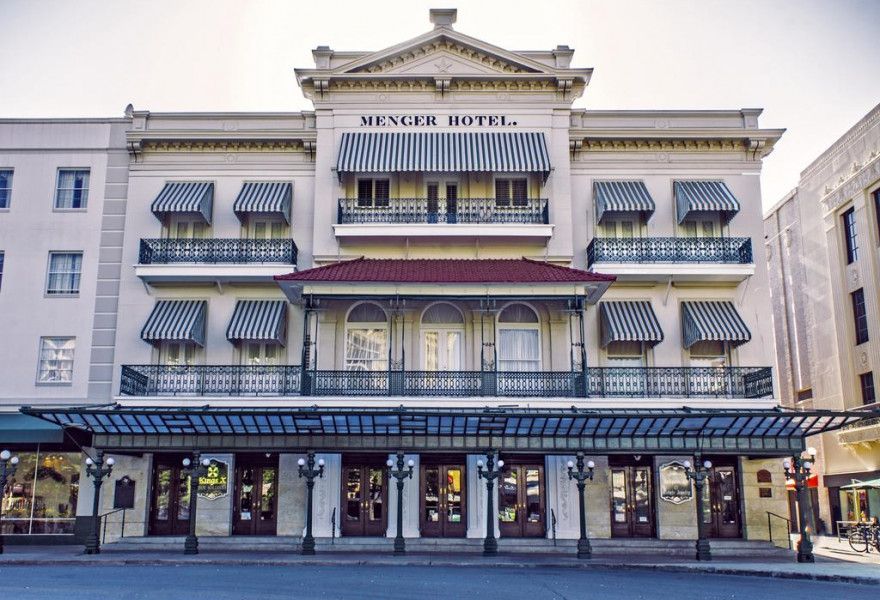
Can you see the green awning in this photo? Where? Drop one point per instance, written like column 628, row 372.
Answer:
column 16, row 428
column 861, row 485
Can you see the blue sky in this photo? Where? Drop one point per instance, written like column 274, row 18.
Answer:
column 812, row 65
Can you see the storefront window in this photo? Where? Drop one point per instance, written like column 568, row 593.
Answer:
column 41, row 497
column 860, row 505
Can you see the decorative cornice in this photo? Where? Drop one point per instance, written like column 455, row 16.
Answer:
column 472, row 55
column 665, row 145
column 219, row 146
column 848, row 186
column 444, row 84
column 844, row 142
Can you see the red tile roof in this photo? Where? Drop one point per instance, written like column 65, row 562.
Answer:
column 370, row 270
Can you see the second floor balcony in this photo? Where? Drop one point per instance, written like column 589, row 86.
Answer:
column 214, row 259
column 683, row 258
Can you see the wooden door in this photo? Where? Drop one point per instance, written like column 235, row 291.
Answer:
column 632, row 506
column 254, row 510
column 721, row 504
column 169, row 502
column 443, row 509
column 364, row 500
column 521, row 501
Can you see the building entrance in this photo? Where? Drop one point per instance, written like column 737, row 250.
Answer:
column 521, row 501
column 364, row 499
column 721, row 503
column 443, row 509
column 632, row 506
column 169, row 504
column 254, row 511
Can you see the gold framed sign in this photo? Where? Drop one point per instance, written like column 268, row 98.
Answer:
column 675, row 487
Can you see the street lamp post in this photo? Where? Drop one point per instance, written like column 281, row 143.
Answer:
column 581, row 476
column 195, row 468
column 7, row 469
column 400, row 475
column 97, row 471
column 490, row 545
column 699, row 474
column 307, row 469
column 798, row 469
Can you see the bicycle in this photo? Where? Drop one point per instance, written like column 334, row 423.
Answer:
column 863, row 536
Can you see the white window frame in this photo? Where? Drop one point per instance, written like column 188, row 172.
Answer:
column 59, row 189
column 441, row 328
column 7, row 189
column 499, row 327
column 348, row 363
column 49, row 274
column 43, row 363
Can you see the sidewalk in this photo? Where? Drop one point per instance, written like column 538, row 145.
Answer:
column 833, row 562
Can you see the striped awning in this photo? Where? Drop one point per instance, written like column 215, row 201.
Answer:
column 510, row 152
column 704, row 196
column 629, row 321
column 712, row 321
column 180, row 320
column 258, row 320
column 264, row 197
column 185, row 197
column 622, row 196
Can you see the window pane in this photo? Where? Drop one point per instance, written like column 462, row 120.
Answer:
column 518, row 350
column 72, row 190
column 64, row 273
column 850, row 235
column 366, row 350
column 2, row 256
column 5, row 187
column 56, row 360
column 41, row 497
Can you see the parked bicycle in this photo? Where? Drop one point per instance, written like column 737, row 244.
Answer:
column 864, row 536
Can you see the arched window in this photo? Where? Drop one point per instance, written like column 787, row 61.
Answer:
column 442, row 338
column 366, row 339
column 442, row 314
column 518, row 340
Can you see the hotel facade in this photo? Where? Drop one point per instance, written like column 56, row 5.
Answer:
column 445, row 258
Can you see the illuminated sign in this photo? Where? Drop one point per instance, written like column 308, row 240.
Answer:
column 215, row 482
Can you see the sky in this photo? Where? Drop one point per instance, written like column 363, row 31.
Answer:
column 812, row 65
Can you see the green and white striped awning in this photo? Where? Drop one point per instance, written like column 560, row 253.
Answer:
column 258, row 320
column 397, row 152
column 185, row 197
column 264, row 197
column 176, row 320
column 622, row 196
column 712, row 321
column 629, row 321
column 704, row 196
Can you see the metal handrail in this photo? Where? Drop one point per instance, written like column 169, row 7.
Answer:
column 530, row 211
column 787, row 527
column 217, row 251
column 104, row 523
column 725, row 250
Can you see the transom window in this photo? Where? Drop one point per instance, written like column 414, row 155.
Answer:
column 511, row 192
column 5, row 188
column 366, row 339
column 850, row 236
column 56, row 359
column 373, row 192
column 65, row 270
column 72, row 189
column 518, row 339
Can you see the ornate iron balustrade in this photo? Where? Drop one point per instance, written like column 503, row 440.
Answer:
column 217, row 250
column 670, row 250
column 623, row 382
column 532, row 211
column 219, row 380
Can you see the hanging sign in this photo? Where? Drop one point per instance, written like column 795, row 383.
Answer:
column 215, row 482
column 675, row 486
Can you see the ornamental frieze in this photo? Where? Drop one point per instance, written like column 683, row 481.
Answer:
column 849, row 188
column 471, row 54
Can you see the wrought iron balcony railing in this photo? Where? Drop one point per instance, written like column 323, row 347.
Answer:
column 532, row 211
column 217, row 250
column 670, row 250
column 618, row 382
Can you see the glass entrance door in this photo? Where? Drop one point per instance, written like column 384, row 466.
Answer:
column 721, row 504
column 364, row 498
column 169, row 504
column 632, row 509
column 521, row 501
column 254, row 511
column 443, row 509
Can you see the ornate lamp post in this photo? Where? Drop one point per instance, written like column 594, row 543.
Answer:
column 490, row 546
column 581, row 476
column 400, row 475
column 7, row 469
column 798, row 469
column 307, row 469
column 699, row 474
column 97, row 471
column 195, row 469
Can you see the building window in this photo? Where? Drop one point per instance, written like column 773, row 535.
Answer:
column 72, row 190
column 65, row 270
column 41, row 497
column 850, row 236
column 518, row 339
column 373, row 192
column 5, row 187
column 366, row 339
column 511, row 192
column 869, row 396
column 2, row 255
column 877, row 212
column 56, row 360
column 860, row 316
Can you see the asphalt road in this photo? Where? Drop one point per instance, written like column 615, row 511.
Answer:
column 396, row 583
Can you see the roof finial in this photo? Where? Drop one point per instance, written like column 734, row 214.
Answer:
column 443, row 17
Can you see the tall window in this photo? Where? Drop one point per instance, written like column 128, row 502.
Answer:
column 56, row 359
column 850, row 236
column 2, row 255
column 860, row 316
column 72, row 190
column 366, row 339
column 869, row 396
column 40, row 498
column 5, row 187
column 511, row 192
column 65, row 270
column 373, row 192
column 518, row 339
column 877, row 211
